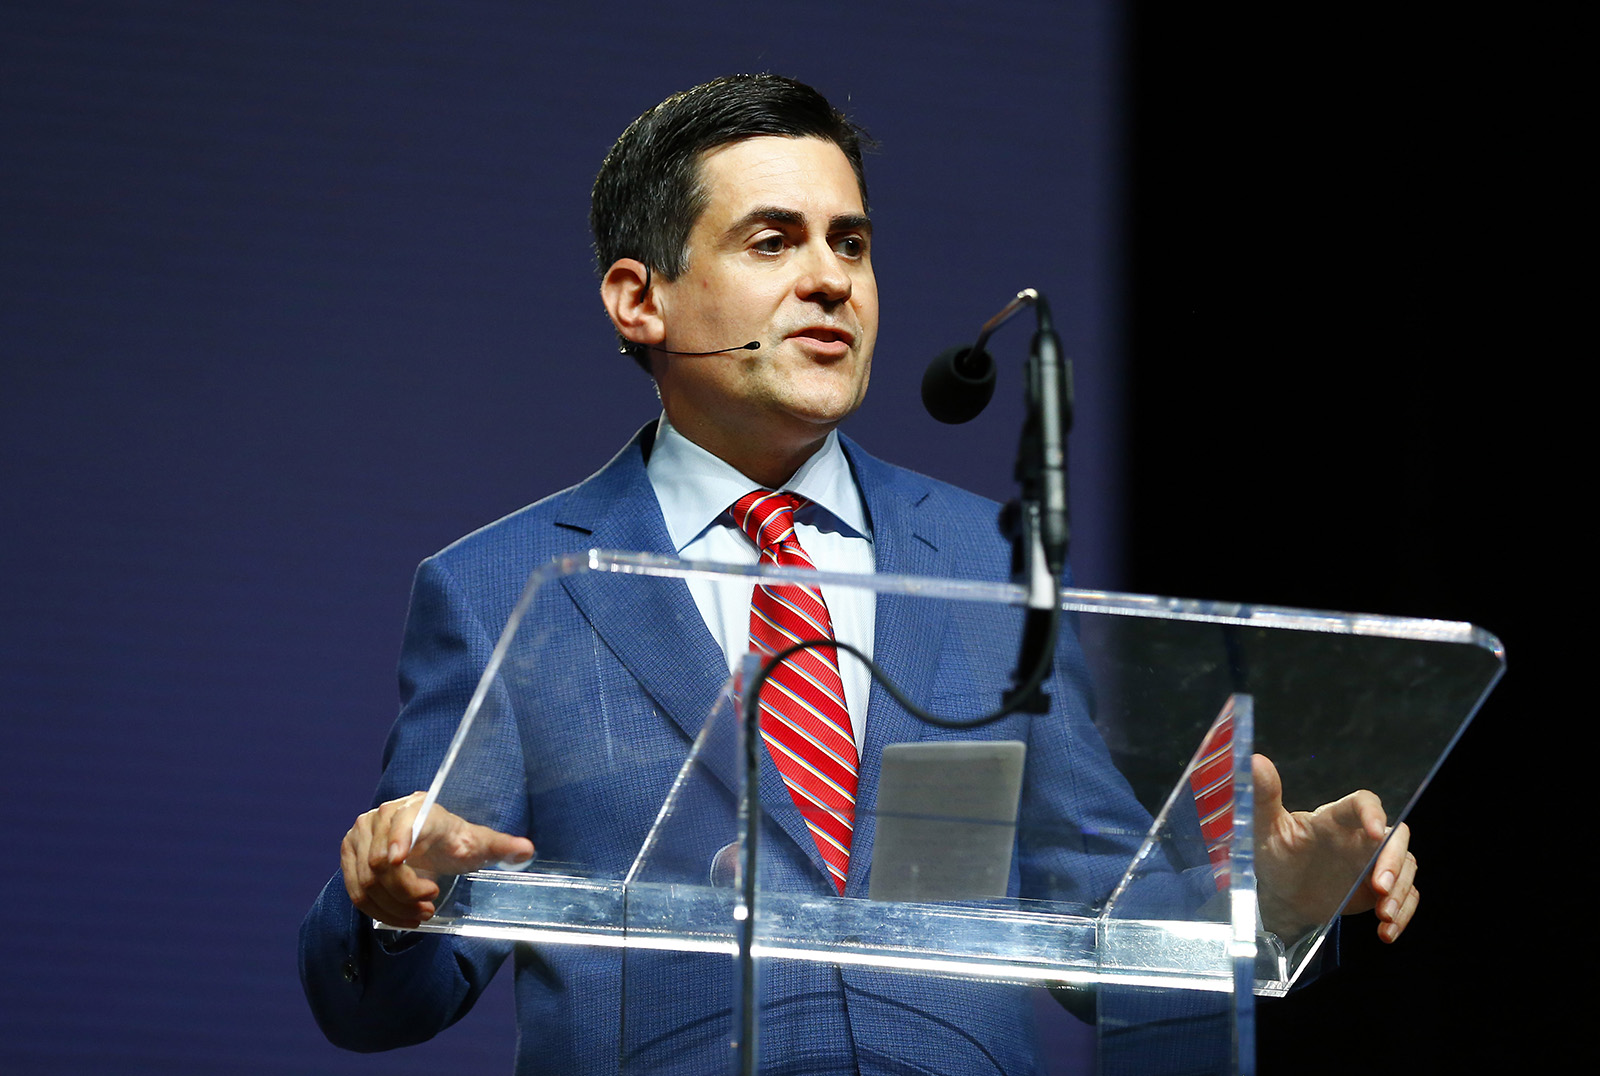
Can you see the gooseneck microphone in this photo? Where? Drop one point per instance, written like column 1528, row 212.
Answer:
column 633, row 349
column 958, row 385
column 960, row 382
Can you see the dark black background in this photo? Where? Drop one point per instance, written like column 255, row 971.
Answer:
column 1349, row 388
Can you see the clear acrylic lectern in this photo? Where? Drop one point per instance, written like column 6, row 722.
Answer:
column 1102, row 851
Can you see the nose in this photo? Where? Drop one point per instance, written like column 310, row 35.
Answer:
column 825, row 278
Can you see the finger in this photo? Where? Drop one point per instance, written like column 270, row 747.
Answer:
column 399, row 886
column 1389, row 907
column 391, row 829
column 1408, row 875
column 399, row 896
column 1268, row 786
column 404, row 816
column 381, row 825
column 1391, row 930
column 1392, row 860
column 354, row 851
column 1360, row 810
column 384, row 892
column 460, row 846
column 1374, row 819
column 505, row 848
column 407, row 901
column 396, row 913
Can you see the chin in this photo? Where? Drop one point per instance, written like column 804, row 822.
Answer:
column 824, row 417
column 829, row 403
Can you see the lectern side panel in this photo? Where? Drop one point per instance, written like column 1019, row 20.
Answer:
column 1193, row 877
column 1341, row 704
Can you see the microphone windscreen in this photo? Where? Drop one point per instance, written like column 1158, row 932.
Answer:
column 958, row 385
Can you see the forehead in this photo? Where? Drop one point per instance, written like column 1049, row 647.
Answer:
column 807, row 175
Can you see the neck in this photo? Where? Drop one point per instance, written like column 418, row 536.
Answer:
column 767, row 462
column 773, row 473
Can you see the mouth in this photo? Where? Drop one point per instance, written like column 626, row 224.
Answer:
column 825, row 334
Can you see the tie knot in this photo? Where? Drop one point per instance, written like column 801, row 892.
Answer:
column 767, row 517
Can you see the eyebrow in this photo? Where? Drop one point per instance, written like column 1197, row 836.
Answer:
column 844, row 222
column 851, row 222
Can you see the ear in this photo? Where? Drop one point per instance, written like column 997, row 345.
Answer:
column 632, row 306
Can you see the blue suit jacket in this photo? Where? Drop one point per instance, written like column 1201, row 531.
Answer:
column 584, row 779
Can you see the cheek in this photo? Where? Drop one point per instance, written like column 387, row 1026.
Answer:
column 867, row 314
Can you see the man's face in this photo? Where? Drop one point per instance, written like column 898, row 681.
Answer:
column 780, row 255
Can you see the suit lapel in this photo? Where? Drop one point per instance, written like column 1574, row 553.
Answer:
column 651, row 625
column 654, row 627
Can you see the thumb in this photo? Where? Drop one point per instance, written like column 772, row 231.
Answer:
column 1268, row 786
column 504, row 848
column 457, row 846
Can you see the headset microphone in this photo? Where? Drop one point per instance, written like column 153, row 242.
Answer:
column 633, row 349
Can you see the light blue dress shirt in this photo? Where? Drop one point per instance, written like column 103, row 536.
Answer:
column 696, row 490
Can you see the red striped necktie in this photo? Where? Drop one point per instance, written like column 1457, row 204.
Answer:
column 803, row 718
column 1211, row 782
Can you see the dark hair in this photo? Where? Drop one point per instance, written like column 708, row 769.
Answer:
column 648, row 194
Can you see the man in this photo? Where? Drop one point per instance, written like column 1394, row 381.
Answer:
column 732, row 232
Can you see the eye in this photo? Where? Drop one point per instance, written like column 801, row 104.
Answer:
column 772, row 243
column 853, row 247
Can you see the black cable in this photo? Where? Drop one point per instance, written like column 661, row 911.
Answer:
column 1019, row 696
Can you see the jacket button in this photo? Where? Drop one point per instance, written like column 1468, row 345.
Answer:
column 348, row 969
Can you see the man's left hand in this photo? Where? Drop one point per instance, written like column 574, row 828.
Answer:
column 1305, row 860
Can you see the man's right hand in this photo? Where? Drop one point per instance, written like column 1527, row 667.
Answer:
column 392, row 882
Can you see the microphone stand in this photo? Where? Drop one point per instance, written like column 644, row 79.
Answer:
column 1039, row 524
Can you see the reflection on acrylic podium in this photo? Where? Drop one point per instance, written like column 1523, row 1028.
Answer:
column 1102, row 851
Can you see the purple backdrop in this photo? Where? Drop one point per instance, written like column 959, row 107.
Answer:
column 294, row 294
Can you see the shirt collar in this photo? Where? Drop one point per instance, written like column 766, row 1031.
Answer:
column 695, row 488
